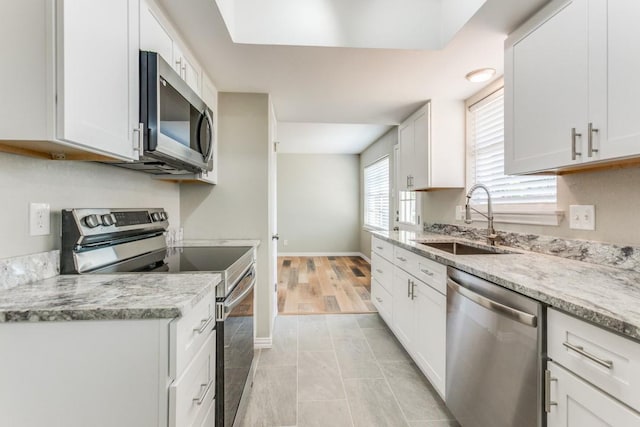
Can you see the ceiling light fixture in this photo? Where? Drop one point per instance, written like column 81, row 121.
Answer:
column 481, row 75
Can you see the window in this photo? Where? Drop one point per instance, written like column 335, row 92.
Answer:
column 376, row 194
column 513, row 195
column 407, row 207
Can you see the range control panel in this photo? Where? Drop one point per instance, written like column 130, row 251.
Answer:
column 98, row 221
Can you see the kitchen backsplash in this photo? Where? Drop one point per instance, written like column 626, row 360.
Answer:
column 625, row 257
column 17, row 271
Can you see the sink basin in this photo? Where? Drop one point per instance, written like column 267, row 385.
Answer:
column 457, row 248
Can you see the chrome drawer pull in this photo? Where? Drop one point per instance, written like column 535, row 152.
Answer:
column 379, row 271
column 591, row 130
column 379, row 299
column 401, row 258
column 200, row 399
column 203, row 325
column 427, row 272
column 379, row 247
column 580, row 350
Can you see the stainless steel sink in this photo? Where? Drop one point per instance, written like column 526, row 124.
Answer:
column 458, row 248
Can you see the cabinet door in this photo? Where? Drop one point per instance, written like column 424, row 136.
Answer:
column 406, row 143
column 191, row 75
column 153, row 36
column 614, row 67
column 97, row 85
column 579, row 404
column 403, row 311
column 546, row 79
column 421, row 150
column 429, row 341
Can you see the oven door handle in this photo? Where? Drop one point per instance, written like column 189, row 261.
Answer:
column 227, row 307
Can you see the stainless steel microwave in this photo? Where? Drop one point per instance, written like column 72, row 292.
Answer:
column 177, row 124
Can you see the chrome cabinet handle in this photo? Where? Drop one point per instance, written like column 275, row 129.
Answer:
column 574, row 152
column 580, row 350
column 427, row 272
column 590, row 131
column 139, row 139
column 408, row 288
column 379, row 299
column 413, row 290
column 547, row 391
column 379, row 271
column 401, row 258
column 204, row 324
column 200, row 399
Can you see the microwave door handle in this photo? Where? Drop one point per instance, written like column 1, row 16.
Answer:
column 209, row 154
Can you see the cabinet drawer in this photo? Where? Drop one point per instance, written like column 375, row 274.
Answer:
column 207, row 419
column 382, row 271
column 432, row 273
column 192, row 394
column 608, row 361
column 382, row 248
column 187, row 334
column 381, row 298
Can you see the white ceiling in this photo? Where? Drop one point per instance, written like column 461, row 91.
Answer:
column 391, row 24
column 348, row 85
column 347, row 138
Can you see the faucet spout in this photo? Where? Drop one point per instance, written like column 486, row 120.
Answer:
column 491, row 232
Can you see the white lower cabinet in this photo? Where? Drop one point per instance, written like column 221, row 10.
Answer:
column 419, row 323
column 409, row 292
column 576, row 403
column 105, row 373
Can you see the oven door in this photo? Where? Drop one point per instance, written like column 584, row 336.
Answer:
column 234, row 348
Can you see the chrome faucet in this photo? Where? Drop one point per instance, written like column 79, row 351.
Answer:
column 491, row 232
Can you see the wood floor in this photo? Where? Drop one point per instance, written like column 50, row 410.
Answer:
column 321, row 285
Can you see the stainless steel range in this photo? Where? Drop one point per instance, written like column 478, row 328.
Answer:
column 133, row 240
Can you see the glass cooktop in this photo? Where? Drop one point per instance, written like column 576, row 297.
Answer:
column 205, row 258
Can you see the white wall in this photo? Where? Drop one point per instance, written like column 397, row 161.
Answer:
column 318, row 208
column 237, row 208
column 69, row 184
column 383, row 146
column 614, row 192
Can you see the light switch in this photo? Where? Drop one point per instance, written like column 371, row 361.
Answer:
column 582, row 217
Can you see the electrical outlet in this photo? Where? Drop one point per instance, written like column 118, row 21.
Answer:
column 460, row 213
column 582, row 217
column 285, row 243
column 39, row 219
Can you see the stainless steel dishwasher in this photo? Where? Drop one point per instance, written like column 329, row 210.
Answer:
column 495, row 354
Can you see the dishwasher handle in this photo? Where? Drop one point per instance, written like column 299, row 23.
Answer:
column 513, row 313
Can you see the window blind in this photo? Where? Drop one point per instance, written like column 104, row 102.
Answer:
column 487, row 159
column 376, row 194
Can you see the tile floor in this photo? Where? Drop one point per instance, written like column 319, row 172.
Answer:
column 339, row 370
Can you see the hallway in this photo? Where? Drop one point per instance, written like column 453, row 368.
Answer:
column 339, row 370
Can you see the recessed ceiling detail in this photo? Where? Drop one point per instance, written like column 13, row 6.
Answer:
column 387, row 24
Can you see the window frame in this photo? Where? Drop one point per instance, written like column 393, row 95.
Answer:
column 364, row 194
column 516, row 213
column 396, row 198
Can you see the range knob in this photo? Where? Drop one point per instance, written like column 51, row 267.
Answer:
column 91, row 221
column 155, row 216
column 108, row 219
column 164, row 215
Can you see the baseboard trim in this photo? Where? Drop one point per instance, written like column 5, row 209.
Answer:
column 364, row 257
column 319, row 254
column 262, row 342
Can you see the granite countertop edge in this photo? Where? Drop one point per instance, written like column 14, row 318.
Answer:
column 589, row 310
column 126, row 299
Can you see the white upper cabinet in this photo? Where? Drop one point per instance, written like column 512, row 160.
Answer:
column 98, row 83
column 570, row 87
column 72, row 88
column 158, row 35
column 153, row 36
column 432, row 147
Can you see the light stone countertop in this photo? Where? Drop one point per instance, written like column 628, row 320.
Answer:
column 606, row 296
column 107, row 297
